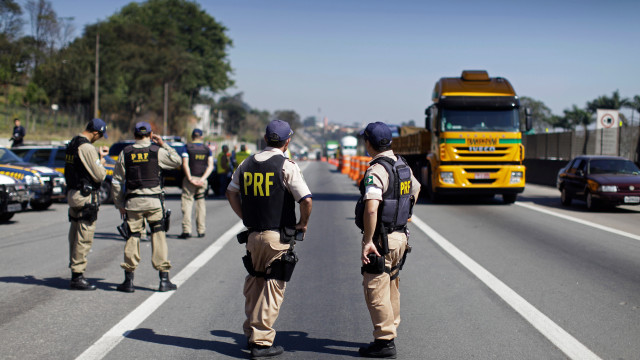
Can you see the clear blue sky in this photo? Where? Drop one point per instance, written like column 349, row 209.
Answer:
column 377, row 60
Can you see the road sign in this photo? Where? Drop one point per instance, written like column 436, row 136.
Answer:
column 607, row 118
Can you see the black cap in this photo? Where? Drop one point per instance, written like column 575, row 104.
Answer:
column 378, row 134
column 278, row 130
column 98, row 125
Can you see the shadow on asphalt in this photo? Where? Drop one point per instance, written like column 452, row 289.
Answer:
column 292, row 341
column 63, row 283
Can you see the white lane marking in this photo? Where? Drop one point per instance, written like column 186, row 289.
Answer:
column 111, row 338
column 558, row 336
column 579, row 221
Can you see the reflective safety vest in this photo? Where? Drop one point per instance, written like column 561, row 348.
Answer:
column 395, row 208
column 221, row 169
column 142, row 167
column 241, row 156
column 198, row 158
column 266, row 203
column 75, row 174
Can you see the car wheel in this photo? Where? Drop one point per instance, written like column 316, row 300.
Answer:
column 509, row 198
column 6, row 217
column 41, row 206
column 105, row 193
column 591, row 202
column 565, row 199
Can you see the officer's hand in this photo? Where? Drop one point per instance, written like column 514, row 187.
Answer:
column 368, row 248
column 104, row 151
column 157, row 139
column 122, row 211
column 301, row 228
column 196, row 182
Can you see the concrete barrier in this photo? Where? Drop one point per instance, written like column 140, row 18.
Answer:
column 543, row 172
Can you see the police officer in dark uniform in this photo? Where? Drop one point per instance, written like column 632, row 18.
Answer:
column 197, row 164
column 84, row 172
column 263, row 192
column 388, row 192
column 18, row 133
column 142, row 198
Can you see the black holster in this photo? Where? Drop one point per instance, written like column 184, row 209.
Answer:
column 375, row 265
column 243, row 237
column 282, row 269
column 287, row 235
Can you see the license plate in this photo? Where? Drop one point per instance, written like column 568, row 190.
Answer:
column 631, row 199
column 57, row 189
column 483, row 175
column 14, row 207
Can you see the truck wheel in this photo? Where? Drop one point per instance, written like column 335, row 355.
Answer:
column 435, row 198
column 6, row 217
column 565, row 199
column 509, row 198
column 41, row 206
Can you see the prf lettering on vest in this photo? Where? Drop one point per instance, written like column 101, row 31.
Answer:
column 200, row 156
column 258, row 182
column 140, row 157
column 405, row 187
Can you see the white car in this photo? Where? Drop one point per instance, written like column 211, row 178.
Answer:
column 14, row 197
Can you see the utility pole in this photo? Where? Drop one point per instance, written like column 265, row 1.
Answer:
column 166, row 106
column 95, row 91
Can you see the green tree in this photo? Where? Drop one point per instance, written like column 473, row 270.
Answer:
column 142, row 47
column 309, row 121
column 634, row 105
column 541, row 114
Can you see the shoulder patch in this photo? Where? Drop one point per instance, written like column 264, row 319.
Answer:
column 368, row 180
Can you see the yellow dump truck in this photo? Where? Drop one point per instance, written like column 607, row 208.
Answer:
column 471, row 143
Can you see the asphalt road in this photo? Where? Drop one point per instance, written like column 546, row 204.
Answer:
column 532, row 280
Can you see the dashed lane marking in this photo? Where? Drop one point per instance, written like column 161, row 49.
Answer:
column 558, row 336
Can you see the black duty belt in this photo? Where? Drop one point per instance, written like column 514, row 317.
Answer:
column 134, row 195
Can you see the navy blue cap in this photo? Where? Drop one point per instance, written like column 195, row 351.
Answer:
column 98, row 125
column 278, row 130
column 378, row 134
column 142, row 128
column 196, row 132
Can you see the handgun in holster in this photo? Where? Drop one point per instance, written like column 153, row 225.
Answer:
column 124, row 229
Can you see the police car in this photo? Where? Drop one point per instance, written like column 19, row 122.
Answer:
column 14, row 197
column 45, row 184
column 53, row 156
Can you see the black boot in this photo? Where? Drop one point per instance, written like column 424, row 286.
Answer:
column 379, row 349
column 78, row 282
column 262, row 351
column 165, row 283
column 127, row 285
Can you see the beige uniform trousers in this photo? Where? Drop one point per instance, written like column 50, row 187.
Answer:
column 160, row 251
column 263, row 298
column 382, row 295
column 80, row 241
column 189, row 193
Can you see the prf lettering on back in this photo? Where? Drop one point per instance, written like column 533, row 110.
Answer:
column 69, row 158
column 258, row 183
column 405, row 187
column 140, row 157
column 200, row 156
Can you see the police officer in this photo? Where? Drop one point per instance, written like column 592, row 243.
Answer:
column 263, row 192
column 388, row 192
column 18, row 133
column 223, row 168
column 84, row 172
column 138, row 195
column 242, row 154
column 197, row 163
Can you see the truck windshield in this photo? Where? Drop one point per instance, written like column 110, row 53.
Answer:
column 480, row 120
